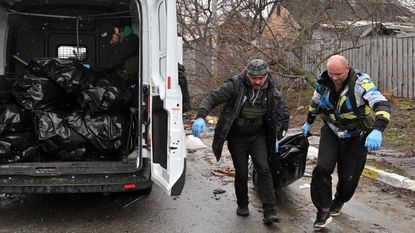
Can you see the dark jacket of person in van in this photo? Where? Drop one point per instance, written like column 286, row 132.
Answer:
column 125, row 61
column 124, row 57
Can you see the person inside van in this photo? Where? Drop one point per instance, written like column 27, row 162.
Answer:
column 124, row 58
column 125, row 61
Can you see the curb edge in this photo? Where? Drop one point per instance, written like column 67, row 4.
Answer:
column 392, row 179
column 389, row 178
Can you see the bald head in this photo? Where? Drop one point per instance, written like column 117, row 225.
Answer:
column 337, row 60
column 338, row 69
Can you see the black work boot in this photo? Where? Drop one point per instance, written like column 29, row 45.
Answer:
column 335, row 208
column 323, row 218
column 270, row 217
column 242, row 210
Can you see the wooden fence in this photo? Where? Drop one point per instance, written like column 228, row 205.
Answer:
column 389, row 60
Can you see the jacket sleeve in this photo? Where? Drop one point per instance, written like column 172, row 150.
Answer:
column 314, row 108
column 222, row 94
column 377, row 102
column 282, row 116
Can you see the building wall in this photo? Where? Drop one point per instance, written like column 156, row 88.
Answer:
column 389, row 60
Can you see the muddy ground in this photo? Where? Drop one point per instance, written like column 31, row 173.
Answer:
column 207, row 204
column 376, row 207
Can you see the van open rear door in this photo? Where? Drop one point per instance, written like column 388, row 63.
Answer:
column 168, row 141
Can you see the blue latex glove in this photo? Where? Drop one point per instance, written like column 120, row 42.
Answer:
column 198, row 126
column 277, row 147
column 306, row 129
column 374, row 140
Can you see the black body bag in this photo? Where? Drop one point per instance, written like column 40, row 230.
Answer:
column 288, row 165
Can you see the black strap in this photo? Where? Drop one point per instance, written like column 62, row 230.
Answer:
column 239, row 87
column 352, row 82
column 351, row 85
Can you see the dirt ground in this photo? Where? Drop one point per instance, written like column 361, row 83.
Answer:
column 375, row 207
column 407, row 196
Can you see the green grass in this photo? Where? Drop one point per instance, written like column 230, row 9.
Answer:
column 400, row 133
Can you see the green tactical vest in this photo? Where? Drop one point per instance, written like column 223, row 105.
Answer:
column 251, row 117
column 252, row 114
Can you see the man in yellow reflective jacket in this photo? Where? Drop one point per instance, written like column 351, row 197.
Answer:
column 344, row 98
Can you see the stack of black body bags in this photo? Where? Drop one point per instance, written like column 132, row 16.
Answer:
column 70, row 113
column 17, row 138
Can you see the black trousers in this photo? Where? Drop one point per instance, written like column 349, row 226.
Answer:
column 350, row 156
column 240, row 149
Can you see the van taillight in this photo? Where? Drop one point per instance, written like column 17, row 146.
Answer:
column 169, row 82
column 129, row 186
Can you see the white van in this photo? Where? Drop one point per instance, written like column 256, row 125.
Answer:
column 81, row 30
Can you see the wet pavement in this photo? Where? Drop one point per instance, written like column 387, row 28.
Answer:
column 208, row 204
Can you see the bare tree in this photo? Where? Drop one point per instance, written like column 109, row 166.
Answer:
column 224, row 34
column 199, row 20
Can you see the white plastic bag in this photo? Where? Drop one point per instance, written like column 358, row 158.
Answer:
column 194, row 143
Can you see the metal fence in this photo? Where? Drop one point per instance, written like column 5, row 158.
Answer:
column 389, row 60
